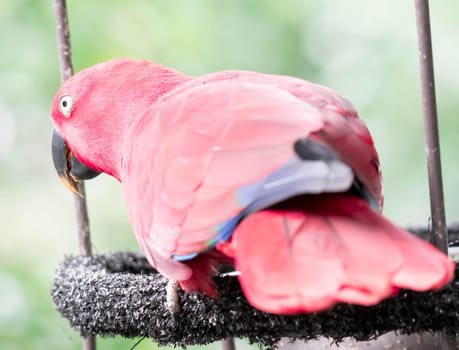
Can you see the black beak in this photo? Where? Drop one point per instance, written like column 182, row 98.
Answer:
column 69, row 169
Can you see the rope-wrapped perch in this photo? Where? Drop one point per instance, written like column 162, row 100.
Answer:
column 120, row 294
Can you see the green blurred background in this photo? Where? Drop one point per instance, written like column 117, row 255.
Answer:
column 364, row 49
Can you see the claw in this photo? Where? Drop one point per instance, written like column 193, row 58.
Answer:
column 172, row 297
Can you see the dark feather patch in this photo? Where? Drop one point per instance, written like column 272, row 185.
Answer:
column 308, row 149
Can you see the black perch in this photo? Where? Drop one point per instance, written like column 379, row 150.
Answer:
column 121, row 294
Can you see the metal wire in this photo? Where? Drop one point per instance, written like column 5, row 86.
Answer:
column 429, row 106
column 66, row 70
column 228, row 344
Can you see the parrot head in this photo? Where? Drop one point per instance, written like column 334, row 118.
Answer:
column 92, row 110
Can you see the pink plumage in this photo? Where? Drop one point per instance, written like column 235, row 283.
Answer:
column 249, row 164
column 336, row 249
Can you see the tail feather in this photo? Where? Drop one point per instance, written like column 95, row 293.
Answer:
column 420, row 271
column 336, row 249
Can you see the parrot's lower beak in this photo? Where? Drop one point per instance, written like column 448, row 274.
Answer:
column 69, row 169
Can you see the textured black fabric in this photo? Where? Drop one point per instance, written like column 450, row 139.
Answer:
column 120, row 294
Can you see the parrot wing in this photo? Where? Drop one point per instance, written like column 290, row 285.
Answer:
column 209, row 143
column 343, row 131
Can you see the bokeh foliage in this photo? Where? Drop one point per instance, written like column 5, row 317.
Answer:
column 364, row 49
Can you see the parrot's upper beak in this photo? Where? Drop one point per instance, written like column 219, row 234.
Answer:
column 69, row 168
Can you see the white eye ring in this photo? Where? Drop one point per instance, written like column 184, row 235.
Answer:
column 66, row 104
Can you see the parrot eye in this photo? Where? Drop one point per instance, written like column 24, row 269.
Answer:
column 66, row 105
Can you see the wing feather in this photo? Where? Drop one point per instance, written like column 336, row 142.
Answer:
column 221, row 132
column 213, row 139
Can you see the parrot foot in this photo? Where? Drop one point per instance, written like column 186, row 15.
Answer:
column 172, row 297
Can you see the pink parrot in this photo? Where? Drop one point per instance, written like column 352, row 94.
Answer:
column 274, row 174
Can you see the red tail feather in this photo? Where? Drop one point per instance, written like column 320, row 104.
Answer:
column 337, row 249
